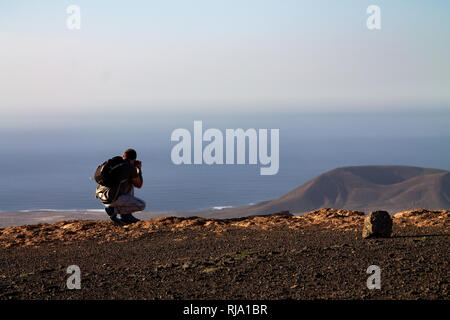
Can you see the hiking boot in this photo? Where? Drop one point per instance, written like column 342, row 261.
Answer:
column 117, row 220
column 129, row 218
column 110, row 211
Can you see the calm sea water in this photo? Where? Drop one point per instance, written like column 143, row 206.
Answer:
column 51, row 167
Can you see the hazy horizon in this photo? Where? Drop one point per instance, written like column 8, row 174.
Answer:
column 50, row 168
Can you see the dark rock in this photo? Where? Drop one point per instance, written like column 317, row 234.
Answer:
column 377, row 224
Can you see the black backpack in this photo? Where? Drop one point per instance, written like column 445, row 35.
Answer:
column 107, row 173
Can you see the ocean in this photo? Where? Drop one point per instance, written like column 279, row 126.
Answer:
column 45, row 166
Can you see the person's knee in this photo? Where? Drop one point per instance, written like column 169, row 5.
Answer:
column 141, row 205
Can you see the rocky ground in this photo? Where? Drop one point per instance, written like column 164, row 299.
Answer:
column 320, row 255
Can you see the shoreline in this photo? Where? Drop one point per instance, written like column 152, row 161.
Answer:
column 12, row 218
column 25, row 217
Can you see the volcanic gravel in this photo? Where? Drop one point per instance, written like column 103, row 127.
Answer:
column 236, row 263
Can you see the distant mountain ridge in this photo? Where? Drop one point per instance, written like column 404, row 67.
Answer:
column 363, row 188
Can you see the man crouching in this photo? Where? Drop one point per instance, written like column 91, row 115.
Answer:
column 117, row 178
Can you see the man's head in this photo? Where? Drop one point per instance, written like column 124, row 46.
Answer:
column 130, row 155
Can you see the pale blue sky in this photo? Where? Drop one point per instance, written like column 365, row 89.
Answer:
column 214, row 55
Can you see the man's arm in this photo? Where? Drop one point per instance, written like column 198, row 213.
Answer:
column 137, row 182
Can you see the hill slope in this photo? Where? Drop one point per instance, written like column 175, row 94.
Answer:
column 364, row 188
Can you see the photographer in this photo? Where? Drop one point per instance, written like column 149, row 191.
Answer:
column 119, row 200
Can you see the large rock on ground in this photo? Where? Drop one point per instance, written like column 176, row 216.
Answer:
column 377, row 224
